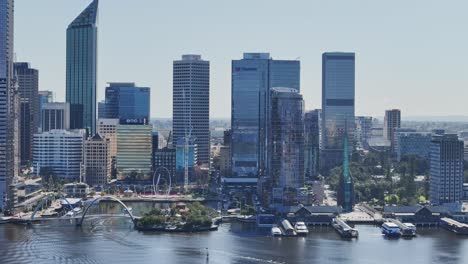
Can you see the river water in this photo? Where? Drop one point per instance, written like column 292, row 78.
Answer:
column 113, row 240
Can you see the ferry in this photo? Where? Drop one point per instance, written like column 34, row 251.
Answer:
column 410, row 230
column 276, row 231
column 344, row 229
column 5, row 220
column 390, row 229
column 301, row 229
column 288, row 228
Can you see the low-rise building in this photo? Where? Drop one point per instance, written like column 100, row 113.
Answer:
column 165, row 158
column 419, row 215
column 26, row 193
column 76, row 190
column 311, row 215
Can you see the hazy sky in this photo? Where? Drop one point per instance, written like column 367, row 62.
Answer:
column 411, row 55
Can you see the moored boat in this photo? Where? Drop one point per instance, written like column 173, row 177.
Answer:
column 390, row 229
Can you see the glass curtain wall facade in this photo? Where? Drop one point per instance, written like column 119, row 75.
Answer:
column 286, row 143
column 28, row 85
column 8, row 105
column 252, row 78
column 82, row 69
column 126, row 101
column 311, row 143
column 134, row 152
column 338, row 81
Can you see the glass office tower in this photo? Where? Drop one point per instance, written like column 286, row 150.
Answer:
column 337, row 107
column 311, row 143
column 191, row 103
column 82, row 68
column 28, row 84
column 8, row 106
column 252, row 78
column 126, row 101
column 286, row 143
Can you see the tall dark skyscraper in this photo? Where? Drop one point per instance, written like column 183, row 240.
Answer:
column 28, row 85
column 446, row 174
column 126, row 101
column 8, row 105
column 191, row 103
column 252, row 79
column 337, row 107
column 311, row 143
column 82, row 69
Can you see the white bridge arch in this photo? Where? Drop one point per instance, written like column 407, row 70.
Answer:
column 107, row 198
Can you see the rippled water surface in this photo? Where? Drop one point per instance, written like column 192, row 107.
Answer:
column 115, row 241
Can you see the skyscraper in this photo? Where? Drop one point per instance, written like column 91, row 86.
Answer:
column 286, row 142
column 8, row 105
column 126, row 101
column 43, row 98
column 191, row 103
column 28, row 84
column 337, row 106
column 97, row 161
column 82, row 69
column 392, row 121
column 55, row 116
column 252, row 78
column 446, row 173
column 311, row 143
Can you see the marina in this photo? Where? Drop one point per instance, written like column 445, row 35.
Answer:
column 235, row 243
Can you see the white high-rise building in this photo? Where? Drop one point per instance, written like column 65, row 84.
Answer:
column 191, row 103
column 60, row 152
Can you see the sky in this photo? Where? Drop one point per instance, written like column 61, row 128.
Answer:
column 411, row 55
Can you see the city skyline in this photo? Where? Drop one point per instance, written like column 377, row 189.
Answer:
column 386, row 78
